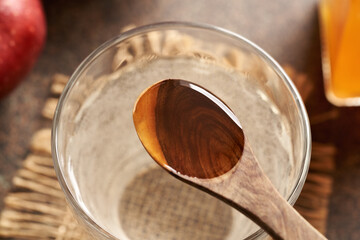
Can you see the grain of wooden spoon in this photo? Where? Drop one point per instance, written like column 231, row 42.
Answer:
column 197, row 138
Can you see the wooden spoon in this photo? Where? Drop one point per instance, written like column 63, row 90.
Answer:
column 198, row 139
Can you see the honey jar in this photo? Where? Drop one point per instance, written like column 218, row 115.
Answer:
column 340, row 31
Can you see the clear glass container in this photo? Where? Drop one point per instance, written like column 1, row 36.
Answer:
column 115, row 189
column 340, row 32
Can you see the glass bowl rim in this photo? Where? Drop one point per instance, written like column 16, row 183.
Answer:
column 169, row 26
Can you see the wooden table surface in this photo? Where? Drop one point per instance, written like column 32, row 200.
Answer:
column 288, row 30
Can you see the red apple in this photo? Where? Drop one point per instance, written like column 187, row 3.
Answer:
column 22, row 35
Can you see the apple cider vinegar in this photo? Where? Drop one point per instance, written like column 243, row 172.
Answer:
column 340, row 22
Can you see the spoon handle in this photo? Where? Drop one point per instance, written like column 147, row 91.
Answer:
column 268, row 208
column 249, row 190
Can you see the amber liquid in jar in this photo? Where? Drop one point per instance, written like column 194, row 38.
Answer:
column 340, row 22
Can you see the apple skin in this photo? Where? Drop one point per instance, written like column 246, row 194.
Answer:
column 22, row 36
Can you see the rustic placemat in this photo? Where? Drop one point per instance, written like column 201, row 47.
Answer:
column 36, row 208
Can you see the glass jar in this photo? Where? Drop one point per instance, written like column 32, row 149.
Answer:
column 340, row 31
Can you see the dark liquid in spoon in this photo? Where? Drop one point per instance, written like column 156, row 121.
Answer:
column 187, row 129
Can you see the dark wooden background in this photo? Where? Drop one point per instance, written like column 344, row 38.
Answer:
column 287, row 29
